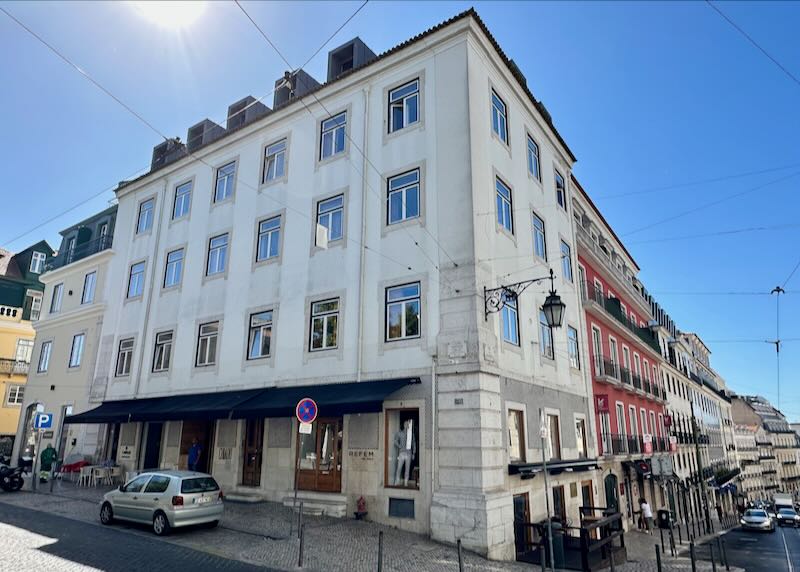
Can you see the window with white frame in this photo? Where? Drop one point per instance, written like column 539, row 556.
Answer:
column 324, row 325
column 499, row 118
column 566, row 261
column 145, row 219
column 207, row 344
column 225, row 179
column 573, row 348
column 632, row 421
column 162, row 354
column 275, row 161
column 34, row 302
column 539, row 237
column 403, row 310
column 55, row 301
column 554, row 435
column 545, row 337
column 173, row 268
column 24, row 351
column 402, row 202
column 124, row 357
column 260, row 335
column 533, row 159
column 44, row 356
column 89, row 284
column 580, row 436
column 269, row 239
column 37, row 262
column 505, row 216
column 332, row 136
column 516, row 436
column 404, row 106
column 217, row 255
column 136, row 280
column 16, row 395
column 621, row 421
column 561, row 191
column 330, row 214
column 76, row 351
column 510, row 319
column 183, row 200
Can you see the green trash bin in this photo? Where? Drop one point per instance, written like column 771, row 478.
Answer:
column 558, row 544
column 665, row 518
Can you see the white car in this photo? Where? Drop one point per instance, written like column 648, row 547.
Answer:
column 788, row 517
column 165, row 500
column 757, row 519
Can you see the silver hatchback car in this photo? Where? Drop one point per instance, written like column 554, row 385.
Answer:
column 165, row 500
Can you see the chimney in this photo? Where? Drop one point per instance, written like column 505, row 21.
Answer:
column 346, row 57
column 167, row 152
column 202, row 133
column 293, row 85
column 244, row 111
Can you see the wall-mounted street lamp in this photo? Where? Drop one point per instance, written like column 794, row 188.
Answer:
column 495, row 298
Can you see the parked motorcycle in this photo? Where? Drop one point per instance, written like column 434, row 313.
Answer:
column 11, row 478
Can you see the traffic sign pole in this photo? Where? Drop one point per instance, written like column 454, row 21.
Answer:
column 306, row 412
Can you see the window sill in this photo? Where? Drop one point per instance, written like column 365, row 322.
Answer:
column 272, row 182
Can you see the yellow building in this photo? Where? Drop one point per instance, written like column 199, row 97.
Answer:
column 20, row 306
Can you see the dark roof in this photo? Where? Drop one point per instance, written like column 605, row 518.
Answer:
column 90, row 219
column 470, row 13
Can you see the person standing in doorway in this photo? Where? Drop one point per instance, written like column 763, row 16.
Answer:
column 194, row 454
column 647, row 516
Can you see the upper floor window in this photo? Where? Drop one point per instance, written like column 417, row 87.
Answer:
column 580, row 437
column 225, row 179
column 403, row 197
column 332, row 136
column 499, row 118
column 275, row 161
column 124, row 357
column 260, row 335
column 136, row 280
column 330, row 214
column 573, row 347
column 533, row 159
column 505, row 216
column 44, row 356
column 24, row 351
column 89, row 284
column 58, row 295
column 554, row 434
column 545, row 336
column 217, row 254
column 403, row 312
column 37, row 262
column 566, row 261
column 539, row 238
column 145, row 221
column 16, row 395
column 76, row 352
column 404, row 106
column 510, row 319
column 173, row 271
column 183, row 200
column 561, row 191
column 162, row 356
column 102, row 231
column 207, row 344
column 269, row 239
column 324, row 325
column 33, row 300
column 516, row 436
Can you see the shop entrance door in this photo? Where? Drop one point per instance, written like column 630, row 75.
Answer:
column 253, row 444
column 152, row 446
column 203, row 433
column 320, row 463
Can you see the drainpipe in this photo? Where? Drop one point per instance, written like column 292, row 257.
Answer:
column 149, row 293
column 362, row 250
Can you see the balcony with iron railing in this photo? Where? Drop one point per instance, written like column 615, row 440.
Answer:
column 79, row 252
column 14, row 367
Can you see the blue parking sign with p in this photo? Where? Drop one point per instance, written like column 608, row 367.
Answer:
column 43, row 421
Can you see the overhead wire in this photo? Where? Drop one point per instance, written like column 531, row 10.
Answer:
column 717, row 233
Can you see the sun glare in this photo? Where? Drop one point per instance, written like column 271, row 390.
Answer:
column 173, row 15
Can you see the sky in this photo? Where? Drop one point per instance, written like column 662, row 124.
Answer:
column 664, row 103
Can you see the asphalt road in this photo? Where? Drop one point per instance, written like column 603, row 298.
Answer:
column 35, row 540
column 760, row 551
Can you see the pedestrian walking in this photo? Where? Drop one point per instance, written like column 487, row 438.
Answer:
column 647, row 516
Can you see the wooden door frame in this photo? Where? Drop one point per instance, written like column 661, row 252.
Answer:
column 259, row 423
column 337, row 455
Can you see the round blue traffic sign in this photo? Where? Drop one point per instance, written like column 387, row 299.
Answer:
column 306, row 410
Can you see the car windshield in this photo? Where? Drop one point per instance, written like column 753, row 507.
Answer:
column 787, row 512
column 760, row 513
column 199, row 485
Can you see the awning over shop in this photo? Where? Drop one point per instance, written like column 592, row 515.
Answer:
column 332, row 399
column 555, row 467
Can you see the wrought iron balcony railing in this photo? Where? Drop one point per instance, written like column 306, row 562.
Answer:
column 79, row 252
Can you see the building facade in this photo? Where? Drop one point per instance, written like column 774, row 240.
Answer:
column 67, row 333
column 348, row 246
column 751, row 479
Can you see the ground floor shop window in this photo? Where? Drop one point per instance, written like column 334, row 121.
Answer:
column 402, row 446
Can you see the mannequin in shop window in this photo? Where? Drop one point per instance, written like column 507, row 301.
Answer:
column 405, row 445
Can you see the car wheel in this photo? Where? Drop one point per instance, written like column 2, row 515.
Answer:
column 106, row 514
column 212, row 524
column 161, row 524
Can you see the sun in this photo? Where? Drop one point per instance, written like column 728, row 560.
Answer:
column 173, row 15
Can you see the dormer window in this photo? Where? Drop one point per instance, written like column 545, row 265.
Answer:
column 37, row 262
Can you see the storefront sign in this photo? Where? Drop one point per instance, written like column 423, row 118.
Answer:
column 362, row 458
column 647, row 440
column 305, row 428
column 601, row 402
column 126, row 453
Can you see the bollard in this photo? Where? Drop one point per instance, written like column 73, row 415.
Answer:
column 541, row 554
column 692, row 556
column 713, row 562
column 723, row 553
column 380, row 551
column 672, row 550
column 658, row 559
column 300, row 519
column 661, row 530
column 300, row 552
column 460, row 557
column 611, row 556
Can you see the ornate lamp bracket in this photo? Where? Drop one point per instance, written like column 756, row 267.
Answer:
column 494, row 299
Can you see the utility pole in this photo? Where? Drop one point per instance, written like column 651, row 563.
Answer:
column 700, row 477
column 778, row 291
